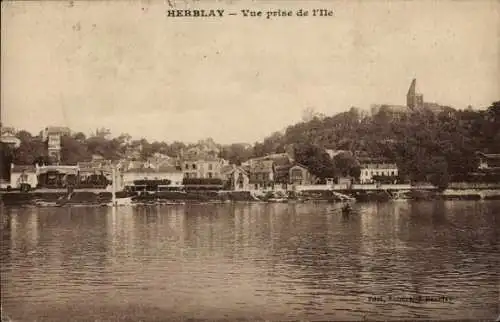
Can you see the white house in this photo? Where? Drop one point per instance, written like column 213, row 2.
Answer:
column 52, row 135
column 488, row 161
column 21, row 174
column 237, row 177
column 8, row 136
column 370, row 170
column 202, row 167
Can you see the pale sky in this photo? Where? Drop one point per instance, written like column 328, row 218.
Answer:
column 124, row 65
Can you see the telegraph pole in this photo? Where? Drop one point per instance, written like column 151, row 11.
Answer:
column 113, row 186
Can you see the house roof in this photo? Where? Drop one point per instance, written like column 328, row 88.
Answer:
column 495, row 156
column 10, row 139
column 8, row 130
column 140, row 170
column 131, row 164
column 242, row 169
column 262, row 166
column 201, row 157
column 168, row 168
column 296, row 164
column 57, row 129
column 373, row 160
column 20, row 168
column 379, row 166
column 166, row 162
column 163, row 169
column 59, row 168
column 227, row 169
column 281, row 158
column 435, row 107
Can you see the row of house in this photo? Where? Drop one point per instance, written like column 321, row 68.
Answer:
column 272, row 172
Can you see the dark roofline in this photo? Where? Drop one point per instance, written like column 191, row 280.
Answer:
column 237, row 167
column 489, row 155
column 20, row 168
column 300, row 165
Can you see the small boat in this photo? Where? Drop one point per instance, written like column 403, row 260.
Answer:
column 280, row 200
column 346, row 209
column 46, row 203
column 127, row 201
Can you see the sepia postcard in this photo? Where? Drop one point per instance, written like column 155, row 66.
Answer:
column 250, row 160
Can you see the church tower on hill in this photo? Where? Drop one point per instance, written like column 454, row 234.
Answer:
column 414, row 100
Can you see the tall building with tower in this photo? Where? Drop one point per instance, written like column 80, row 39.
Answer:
column 414, row 104
column 52, row 135
column 414, row 99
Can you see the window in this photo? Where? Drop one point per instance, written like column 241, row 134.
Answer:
column 296, row 173
column 194, row 166
column 210, row 167
column 210, row 175
column 187, row 166
column 256, row 186
column 392, row 173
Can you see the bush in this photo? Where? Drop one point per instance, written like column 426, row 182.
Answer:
column 165, row 182
column 202, row 181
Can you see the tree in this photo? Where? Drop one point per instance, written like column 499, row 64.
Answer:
column 175, row 149
column 346, row 165
column 79, row 136
column 236, row 153
column 438, row 173
column 29, row 150
column 146, row 149
column 73, row 150
column 316, row 160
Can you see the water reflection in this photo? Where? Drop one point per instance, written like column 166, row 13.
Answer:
column 272, row 261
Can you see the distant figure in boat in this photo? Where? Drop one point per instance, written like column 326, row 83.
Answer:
column 346, row 210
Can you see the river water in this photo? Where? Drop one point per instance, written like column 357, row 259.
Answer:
column 395, row 260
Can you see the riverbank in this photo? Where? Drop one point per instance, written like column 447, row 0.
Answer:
column 101, row 197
